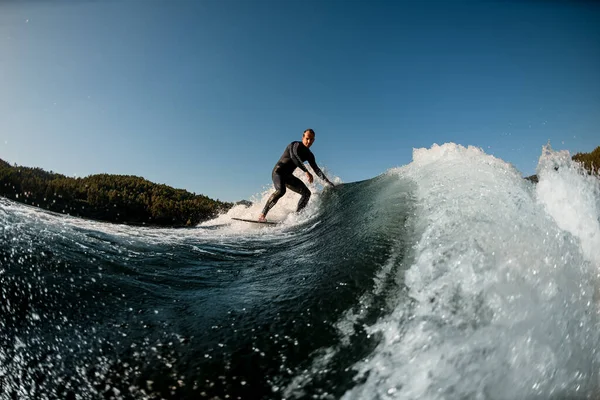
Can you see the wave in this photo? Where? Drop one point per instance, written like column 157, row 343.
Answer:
column 450, row 277
column 502, row 286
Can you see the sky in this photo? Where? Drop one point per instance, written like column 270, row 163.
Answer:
column 204, row 95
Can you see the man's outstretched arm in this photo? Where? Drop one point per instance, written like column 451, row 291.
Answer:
column 320, row 174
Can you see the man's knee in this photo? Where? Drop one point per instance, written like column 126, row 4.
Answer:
column 279, row 192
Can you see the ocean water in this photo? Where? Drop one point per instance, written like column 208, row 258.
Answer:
column 449, row 278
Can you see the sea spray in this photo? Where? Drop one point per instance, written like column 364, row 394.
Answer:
column 283, row 212
column 502, row 297
column 572, row 198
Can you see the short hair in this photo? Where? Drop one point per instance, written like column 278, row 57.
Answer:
column 309, row 130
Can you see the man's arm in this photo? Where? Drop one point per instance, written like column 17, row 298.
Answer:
column 315, row 167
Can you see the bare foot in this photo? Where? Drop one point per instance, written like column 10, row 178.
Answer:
column 262, row 218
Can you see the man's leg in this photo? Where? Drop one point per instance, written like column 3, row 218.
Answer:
column 299, row 187
column 278, row 182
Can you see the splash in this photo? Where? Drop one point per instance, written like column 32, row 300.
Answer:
column 572, row 198
column 284, row 211
column 501, row 295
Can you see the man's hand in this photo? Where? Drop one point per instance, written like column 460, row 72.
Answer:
column 309, row 177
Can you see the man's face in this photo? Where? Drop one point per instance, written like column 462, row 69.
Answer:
column 308, row 139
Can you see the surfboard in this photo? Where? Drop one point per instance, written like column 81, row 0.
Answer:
column 255, row 221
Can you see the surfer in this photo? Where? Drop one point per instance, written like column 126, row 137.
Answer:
column 294, row 156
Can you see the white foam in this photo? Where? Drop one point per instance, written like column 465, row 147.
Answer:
column 283, row 212
column 572, row 198
column 503, row 296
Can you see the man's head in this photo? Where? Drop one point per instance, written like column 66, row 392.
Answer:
column 308, row 138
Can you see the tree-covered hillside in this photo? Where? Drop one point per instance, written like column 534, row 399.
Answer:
column 113, row 198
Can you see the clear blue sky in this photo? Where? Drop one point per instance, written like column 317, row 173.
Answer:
column 205, row 95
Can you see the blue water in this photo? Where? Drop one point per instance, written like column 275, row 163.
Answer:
column 449, row 278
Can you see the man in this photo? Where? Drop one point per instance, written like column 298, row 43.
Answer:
column 294, row 156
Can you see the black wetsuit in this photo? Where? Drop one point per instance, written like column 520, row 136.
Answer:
column 283, row 174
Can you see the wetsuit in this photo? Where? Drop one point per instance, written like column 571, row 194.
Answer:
column 283, row 174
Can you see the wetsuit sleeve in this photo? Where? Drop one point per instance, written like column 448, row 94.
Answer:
column 296, row 158
column 315, row 167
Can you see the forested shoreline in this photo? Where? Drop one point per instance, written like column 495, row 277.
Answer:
column 104, row 197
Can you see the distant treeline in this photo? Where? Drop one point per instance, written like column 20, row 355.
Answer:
column 113, row 198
